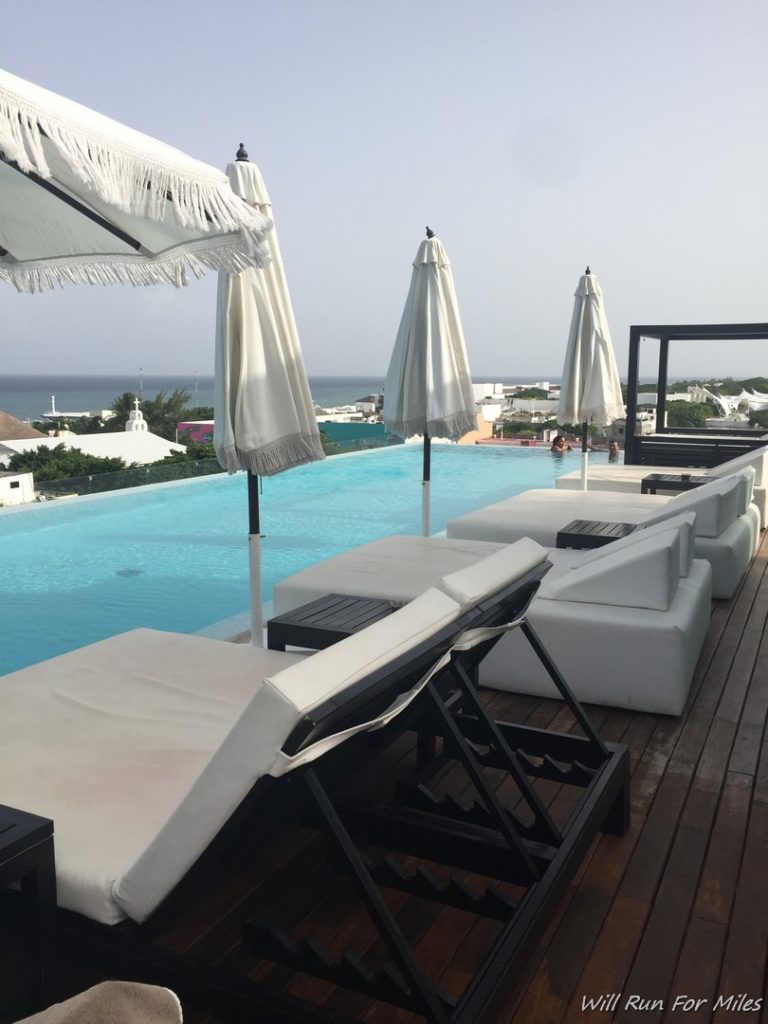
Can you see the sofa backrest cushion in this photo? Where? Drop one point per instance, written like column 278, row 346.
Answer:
column 682, row 522
column 643, row 575
column 716, row 504
column 756, row 459
column 472, row 584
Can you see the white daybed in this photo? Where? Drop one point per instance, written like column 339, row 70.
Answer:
column 629, row 478
column 625, row 623
column 726, row 528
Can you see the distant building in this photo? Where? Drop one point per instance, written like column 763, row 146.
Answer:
column 197, row 431
column 12, row 429
column 16, row 488
column 135, row 445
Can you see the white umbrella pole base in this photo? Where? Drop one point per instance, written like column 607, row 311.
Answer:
column 425, row 508
column 584, row 469
column 257, row 609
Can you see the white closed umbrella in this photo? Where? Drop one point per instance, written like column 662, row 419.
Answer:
column 87, row 200
column 264, row 417
column 591, row 389
column 428, row 387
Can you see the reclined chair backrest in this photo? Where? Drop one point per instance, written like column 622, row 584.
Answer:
column 716, row 504
column 470, row 586
column 392, row 649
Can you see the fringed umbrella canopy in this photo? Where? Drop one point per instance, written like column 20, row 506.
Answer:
column 264, row 415
column 428, row 387
column 591, row 389
column 86, row 200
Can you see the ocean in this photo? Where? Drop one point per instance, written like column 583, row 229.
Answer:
column 27, row 397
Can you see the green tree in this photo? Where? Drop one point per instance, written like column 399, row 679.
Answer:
column 164, row 412
column 688, row 414
column 531, row 393
column 330, row 447
column 62, row 462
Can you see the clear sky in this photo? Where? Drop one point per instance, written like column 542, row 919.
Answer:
column 533, row 137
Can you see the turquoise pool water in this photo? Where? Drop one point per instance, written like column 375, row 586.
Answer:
column 174, row 556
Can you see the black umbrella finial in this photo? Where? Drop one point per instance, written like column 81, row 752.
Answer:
column 242, row 153
column 430, row 232
column 587, row 271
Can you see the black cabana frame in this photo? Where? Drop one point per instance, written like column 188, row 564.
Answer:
column 689, row 446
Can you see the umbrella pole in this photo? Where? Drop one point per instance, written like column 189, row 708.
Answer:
column 425, row 486
column 254, row 561
column 584, row 454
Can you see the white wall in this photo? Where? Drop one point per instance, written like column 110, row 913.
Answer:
column 16, row 488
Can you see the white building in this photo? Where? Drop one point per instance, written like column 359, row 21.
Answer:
column 135, row 445
column 16, row 488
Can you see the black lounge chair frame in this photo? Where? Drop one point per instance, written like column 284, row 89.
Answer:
column 488, row 838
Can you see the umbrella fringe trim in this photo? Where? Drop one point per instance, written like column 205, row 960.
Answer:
column 285, row 453
column 452, row 427
column 219, row 254
column 122, row 175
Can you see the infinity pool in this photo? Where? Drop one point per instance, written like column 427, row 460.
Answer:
column 174, row 556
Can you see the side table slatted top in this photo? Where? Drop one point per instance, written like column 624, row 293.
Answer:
column 592, row 533
column 672, row 482
column 325, row 621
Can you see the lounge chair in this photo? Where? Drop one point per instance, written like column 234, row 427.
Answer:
column 627, row 620
column 144, row 747
column 726, row 528
column 630, row 478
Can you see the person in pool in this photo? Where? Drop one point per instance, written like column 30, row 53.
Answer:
column 559, row 445
column 613, row 451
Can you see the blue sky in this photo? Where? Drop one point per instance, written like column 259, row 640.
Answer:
column 533, row 137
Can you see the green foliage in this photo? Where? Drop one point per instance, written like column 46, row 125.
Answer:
column 759, row 419
column 330, row 447
column 200, row 412
column 162, row 412
column 688, row 414
column 61, row 461
column 197, row 451
column 531, row 393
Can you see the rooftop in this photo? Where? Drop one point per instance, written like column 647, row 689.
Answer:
column 677, row 906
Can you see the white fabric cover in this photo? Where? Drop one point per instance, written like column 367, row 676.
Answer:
column 634, row 658
column 395, row 568
column 428, row 387
column 264, row 415
column 125, row 178
column 140, row 747
column 591, row 389
column 642, row 575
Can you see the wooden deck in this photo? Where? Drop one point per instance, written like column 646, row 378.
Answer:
column 677, row 907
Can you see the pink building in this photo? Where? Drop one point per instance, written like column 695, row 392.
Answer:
column 196, row 430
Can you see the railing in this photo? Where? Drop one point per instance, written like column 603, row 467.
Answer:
column 97, row 483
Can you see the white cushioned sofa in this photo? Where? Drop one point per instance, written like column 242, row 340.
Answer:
column 625, row 624
column 629, row 478
column 726, row 529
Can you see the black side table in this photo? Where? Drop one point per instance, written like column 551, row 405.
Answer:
column 672, row 482
column 26, row 857
column 592, row 533
column 325, row 621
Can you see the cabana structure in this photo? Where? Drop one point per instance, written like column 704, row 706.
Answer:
column 683, row 446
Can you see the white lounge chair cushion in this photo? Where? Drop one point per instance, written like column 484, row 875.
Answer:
column 141, row 747
column 395, row 568
column 716, row 504
column 106, row 740
column 474, row 583
column 643, row 575
column 253, row 746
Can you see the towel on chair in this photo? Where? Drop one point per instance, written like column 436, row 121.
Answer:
column 114, row 1002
